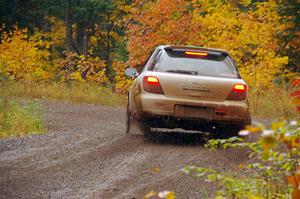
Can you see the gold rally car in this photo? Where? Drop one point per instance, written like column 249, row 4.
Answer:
column 188, row 87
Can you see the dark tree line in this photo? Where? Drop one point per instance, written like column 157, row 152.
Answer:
column 101, row 18
column 291, row 39
column 82, row 19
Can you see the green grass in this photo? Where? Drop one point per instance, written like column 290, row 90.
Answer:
column 75, row 92
column 17, row 120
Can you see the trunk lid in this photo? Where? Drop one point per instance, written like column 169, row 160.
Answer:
column 196, row 87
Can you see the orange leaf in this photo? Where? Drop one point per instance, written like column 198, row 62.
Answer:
column 296, row 82
column 241, row 166
column 296, row 194
column 155, row 170
column 292, row 180
column 295, row 143
column 294, row 94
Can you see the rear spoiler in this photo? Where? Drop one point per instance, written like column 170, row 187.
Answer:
column 197, row 49
column 196, row 53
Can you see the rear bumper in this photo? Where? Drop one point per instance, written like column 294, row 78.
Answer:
column 154, row 105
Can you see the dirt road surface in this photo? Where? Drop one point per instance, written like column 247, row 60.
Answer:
column 86, row 154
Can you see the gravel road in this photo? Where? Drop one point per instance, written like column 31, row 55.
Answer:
column 86, row 154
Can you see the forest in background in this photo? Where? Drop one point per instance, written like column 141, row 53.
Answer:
column 46, row 42
column 61, row 40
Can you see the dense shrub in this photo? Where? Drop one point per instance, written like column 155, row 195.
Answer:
column 24, row 58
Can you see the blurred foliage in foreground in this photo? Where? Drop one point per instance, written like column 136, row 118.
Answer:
column 274, row 171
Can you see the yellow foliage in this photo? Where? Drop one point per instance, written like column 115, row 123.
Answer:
column 23, row 58
column 277, row 125
column 58, row 32
column 253, row 129
column 81, row 68
column 251, row 38
column 254, row 197
column 122, row 82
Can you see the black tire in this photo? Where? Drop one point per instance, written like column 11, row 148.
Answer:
column 128, row 118
column 226, row 132
column 234, row 130
column 248, row 119
column 144, row 127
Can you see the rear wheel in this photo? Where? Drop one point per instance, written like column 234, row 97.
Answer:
column 248, row 119
column 144, row 127
column 225, row 132
column 133, row 126
column 128, row 119
column 234, row 130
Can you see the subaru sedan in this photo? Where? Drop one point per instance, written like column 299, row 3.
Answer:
column 190, row 88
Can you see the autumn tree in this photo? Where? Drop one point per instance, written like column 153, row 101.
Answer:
column 155, row 23
column 290, row 46
column 80, row 18
column 248, row 31
column 23, row 58
column 93, row 27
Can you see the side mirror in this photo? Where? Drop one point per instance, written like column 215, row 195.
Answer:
column 131, row 72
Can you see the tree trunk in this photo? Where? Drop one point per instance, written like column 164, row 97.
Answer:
column 101, row 43
column 83, row 37
column 108, row 45
column 68, row 24
column 85, row 42
column 80, row 38
column 107, row 51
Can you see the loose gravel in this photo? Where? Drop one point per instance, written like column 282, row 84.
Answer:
column 86, row 154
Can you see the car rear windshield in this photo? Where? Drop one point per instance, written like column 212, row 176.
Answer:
column 214, row 64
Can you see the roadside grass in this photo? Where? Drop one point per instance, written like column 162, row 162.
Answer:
column 17, row 120
column 271, row 104
column 74, row 92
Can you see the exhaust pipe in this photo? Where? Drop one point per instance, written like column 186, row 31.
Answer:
column 166, row 118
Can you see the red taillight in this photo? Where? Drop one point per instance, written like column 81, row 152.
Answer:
column 240, row 88
column 239, row 92
column 151, row 84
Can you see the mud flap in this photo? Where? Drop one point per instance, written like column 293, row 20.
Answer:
column 132, row 125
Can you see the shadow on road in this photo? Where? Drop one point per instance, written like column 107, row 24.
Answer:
column 189, row 139
column 177, row 138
